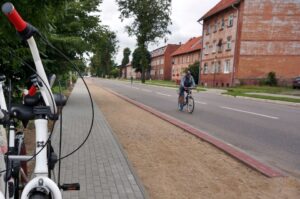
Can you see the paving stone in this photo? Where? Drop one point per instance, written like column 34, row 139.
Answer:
column 100, row 165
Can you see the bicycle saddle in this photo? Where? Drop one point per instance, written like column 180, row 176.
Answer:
column 22, row 112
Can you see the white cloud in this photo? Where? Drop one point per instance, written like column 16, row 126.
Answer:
column 184, row 18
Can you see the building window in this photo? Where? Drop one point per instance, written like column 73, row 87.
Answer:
column 218, row 67
column 230, row 21
column 162, row 61
column 228, row 46
column 161, row 71
column 212, row 69
column 227, row 67
column 188, row 58
column 214, row 47
column 216, row 26
column 205, row 68
column 208, row 29
column 222, row 23
column 206, row 49
column 220, row 46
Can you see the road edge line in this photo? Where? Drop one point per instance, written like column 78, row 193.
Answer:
column 230, row 150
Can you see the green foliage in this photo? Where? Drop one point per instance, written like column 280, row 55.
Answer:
column 271, row 79
column 114, row 72
column 126, row 54
column 137, row 60
column 72, row 26
column 194, row 68
column 151, row 19
column 106, row 46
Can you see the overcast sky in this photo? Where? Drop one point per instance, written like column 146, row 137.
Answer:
column 185, row 14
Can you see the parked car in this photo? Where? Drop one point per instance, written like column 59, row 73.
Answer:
column 296, row 82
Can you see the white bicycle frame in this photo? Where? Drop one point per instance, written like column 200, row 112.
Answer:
column 41, row 179
column 2, row 136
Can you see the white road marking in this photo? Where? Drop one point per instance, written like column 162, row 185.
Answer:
column 159, row 93
column 252, row 113
column 147, row 90
column 198, row 102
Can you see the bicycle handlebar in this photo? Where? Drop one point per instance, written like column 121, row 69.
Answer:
column 12, row 14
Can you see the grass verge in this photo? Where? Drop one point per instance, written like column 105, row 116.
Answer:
column 246, row 91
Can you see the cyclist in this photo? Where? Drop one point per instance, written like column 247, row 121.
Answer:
column 187, row 81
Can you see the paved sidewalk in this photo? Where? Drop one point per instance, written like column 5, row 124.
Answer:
column 100, row 166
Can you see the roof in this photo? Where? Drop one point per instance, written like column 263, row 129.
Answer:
column 222, row 5
column 162, row 50
column 191, row 45
column 158, row 52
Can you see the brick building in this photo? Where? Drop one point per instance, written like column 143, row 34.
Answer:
column 185, row 55
column 244, row 40
column 161, row 62
column 127, row 72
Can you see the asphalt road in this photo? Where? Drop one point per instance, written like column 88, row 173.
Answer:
column 269, row 132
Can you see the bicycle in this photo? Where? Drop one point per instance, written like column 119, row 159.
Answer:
column 188, row 102
column 40, row 108
column 16, row 170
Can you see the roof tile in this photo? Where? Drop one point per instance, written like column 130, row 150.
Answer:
column 222, row 5
column 191, row 45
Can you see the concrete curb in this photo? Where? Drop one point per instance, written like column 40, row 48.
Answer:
column 239, row 155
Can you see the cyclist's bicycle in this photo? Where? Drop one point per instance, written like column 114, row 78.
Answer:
column 41, row 107
column 188, row 101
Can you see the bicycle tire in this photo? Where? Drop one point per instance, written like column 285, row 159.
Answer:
column 21, row 150
column 190, row 104
column 39, row 195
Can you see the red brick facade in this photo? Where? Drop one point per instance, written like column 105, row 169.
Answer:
column 184, row 56
column 161, row 63
column 265, row 37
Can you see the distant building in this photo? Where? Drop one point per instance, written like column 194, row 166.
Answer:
column 187, row 54
column 244, row 40
column 161, row 63
column 130, row 72
column 123, row 72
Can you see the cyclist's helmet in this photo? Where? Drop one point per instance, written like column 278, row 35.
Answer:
column 188, row 73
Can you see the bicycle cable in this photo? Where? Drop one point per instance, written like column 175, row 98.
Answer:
column 89, row 93
column 52, row 130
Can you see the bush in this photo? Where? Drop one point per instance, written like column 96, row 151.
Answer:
column 271, row 79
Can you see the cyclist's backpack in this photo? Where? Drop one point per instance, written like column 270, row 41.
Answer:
column 188, row 82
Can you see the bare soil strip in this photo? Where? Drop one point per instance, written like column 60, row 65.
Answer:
column 174, row 164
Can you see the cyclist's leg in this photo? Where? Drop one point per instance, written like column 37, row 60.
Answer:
column 181, row 98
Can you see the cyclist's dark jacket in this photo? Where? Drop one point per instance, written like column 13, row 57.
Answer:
column 187, row 82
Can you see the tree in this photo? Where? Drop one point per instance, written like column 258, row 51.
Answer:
column 126, row 54
column 194, row 69
column 105, row 48
column 151, row 20
column 137, row 57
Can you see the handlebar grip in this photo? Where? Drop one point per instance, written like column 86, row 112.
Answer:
column 12, row 14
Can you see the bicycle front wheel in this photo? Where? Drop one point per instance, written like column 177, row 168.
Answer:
column 190, row 104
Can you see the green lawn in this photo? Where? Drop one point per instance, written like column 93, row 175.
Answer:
column 166, row 83
column 247, row 91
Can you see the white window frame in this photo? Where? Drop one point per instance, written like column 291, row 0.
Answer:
column 228, row 43
column 227, row 66
column 230, row 21
column 222, row 24
column 205, row 68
